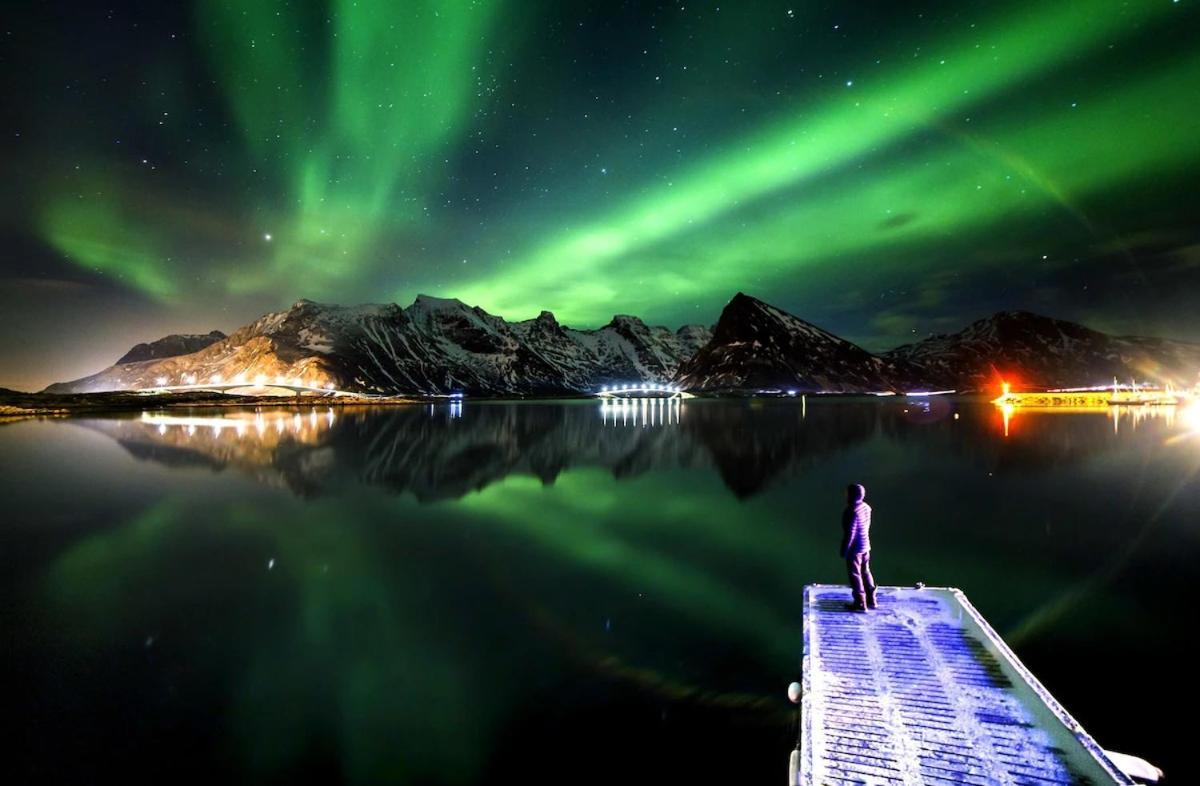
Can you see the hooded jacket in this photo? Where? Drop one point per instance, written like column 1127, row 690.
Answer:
column 856, row 523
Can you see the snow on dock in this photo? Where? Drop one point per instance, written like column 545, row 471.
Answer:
column 923, row 691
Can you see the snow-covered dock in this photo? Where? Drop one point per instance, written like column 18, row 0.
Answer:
column 923, row 691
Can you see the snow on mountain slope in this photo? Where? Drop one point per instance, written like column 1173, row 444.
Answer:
column 757, row 346
column 436, row 345
column 1037, row 351
column 439, row 345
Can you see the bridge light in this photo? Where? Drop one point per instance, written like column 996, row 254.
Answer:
column 260, row 379
column 161, row 382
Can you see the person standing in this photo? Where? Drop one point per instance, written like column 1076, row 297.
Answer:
column 856, row 547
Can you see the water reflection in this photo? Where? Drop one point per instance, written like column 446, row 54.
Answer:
column 642, row 412
column 1174, row 421
column 298, row 613
column 443, row 451
column 303, row 425
column 1170, row 416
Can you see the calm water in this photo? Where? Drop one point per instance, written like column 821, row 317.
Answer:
column 554, row 592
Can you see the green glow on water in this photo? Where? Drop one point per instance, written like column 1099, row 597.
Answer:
column 303, row 607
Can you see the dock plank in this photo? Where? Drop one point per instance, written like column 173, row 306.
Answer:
column 923, row 691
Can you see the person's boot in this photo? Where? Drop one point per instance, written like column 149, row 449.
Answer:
column 871, row 604
column 858, row 604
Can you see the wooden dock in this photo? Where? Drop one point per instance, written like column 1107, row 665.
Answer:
column 923, row 691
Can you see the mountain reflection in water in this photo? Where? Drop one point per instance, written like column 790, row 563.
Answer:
column 475, row 592
column 436, row 452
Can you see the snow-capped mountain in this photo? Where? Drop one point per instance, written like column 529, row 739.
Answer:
column 440, row 345
column 757, row 346
column 1037, row 351
column 433, row 346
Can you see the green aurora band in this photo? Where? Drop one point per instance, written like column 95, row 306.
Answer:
column 353, row 132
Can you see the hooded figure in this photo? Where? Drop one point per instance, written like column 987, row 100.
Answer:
column 856, row 546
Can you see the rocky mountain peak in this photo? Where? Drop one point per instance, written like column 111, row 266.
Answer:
column 439, row 345
column 747, row 318
column 1040, row 351
column 758, row 346
column 304, row 304
column 626, row 322
column 431, row 303
column 171, row 346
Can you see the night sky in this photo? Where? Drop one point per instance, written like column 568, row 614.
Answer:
column 885, row 169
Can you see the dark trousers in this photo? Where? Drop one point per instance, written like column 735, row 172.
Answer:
column 862, row 583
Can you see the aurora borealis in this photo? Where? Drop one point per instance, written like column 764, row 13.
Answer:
column 884, row 169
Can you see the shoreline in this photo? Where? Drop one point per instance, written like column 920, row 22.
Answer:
column 21, row 406
column 16, row 405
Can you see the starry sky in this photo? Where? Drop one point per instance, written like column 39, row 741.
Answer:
column 885, row 169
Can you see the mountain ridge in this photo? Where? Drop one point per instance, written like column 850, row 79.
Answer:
column 442, row 345
column 1039, row 351
column 435, row 345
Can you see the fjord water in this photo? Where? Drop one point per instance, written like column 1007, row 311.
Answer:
column 551, row 592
